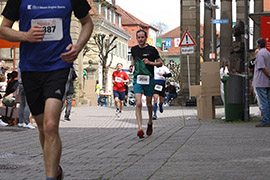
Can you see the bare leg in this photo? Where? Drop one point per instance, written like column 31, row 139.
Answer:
column 149, row 107
column 116, row 100
column 161, row 99
column 155, row 96
column 139, row 109
column 52, row 142
column 121, row 105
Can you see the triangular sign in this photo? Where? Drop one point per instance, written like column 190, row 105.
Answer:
column 187, row 40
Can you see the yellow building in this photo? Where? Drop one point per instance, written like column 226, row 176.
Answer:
column 106, row 21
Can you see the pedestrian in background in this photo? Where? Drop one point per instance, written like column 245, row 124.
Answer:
column 261, row 81
column 119, row 78
column 251, row 71
column 170, row 91
column 69, row 96
column 46, row 57
column 159, row 90
column 223, row 71
column 144, row 58
column 2, row 67
column 97, row 90
column 3, row 86
column 24, row 111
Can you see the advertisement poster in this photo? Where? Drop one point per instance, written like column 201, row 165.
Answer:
column 265, row 33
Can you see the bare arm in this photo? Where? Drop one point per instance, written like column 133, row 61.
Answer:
column 158, row 62
column 264, row 70
column 35, row 34
column 74, row 50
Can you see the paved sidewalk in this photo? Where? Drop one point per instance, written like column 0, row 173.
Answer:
column 98, row 145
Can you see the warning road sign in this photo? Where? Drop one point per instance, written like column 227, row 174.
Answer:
column 187, row 40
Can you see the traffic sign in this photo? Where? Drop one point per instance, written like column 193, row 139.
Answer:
column 187, row 40
column 221, row 21
column 187, row 50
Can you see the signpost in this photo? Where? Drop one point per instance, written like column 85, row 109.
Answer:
column 221, row 21
column 187, row 44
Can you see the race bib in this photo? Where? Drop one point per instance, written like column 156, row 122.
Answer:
column 143, row 79
column 158, row 87
column 118, row 79
column 53, row 28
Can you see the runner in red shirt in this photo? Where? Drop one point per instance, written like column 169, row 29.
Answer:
column 119, row 78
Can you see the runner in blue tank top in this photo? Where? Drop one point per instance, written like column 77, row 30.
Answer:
column 46, row 57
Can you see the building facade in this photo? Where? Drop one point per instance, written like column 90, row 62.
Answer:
column 132, row 24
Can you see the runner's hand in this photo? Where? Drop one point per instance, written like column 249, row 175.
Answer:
column 71, row 55
column 35, row 34
column 146, row 61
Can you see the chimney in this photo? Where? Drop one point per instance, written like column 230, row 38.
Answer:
column 113, row 2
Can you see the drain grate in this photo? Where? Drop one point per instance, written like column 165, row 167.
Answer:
column 8, row 167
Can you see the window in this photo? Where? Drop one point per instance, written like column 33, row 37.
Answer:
column 113, row 17
column 163, row 47
column 119, row 20
column 129, row 56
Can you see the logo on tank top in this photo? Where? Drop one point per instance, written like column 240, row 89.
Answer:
column 34, row 7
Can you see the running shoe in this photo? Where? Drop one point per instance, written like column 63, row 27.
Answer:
column 67, row 118
column 149, row 129
column 161, row 108
column 29, row 126
column 154, row 117
column 140, row 134
column 21, row 124
column 60, row 173
column 117, row 112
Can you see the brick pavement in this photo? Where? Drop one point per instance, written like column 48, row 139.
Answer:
column 98, row 145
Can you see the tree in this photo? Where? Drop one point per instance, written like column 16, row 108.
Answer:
column 162, row 27
column 105, row 46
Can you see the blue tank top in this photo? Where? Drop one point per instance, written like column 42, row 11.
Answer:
column 45, row 56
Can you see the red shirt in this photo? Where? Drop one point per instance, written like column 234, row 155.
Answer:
column 118, row 78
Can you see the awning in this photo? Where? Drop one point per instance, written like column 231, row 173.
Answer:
column 7, row 44
column 256, row 17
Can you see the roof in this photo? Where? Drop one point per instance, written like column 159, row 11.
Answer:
column 175, row 33
column 256, row 17
column 129, row 20
column 7, row 44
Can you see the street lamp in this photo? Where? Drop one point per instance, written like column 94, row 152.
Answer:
column 246, row 92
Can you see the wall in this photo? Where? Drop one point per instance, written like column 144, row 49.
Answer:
column 266, row 5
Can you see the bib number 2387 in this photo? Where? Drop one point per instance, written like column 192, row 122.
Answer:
column 53, row 28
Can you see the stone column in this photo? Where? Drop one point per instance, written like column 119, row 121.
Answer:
column 78, row 64
column 226, row 29
column 207, row 31
column 258, row 7
column 190, row 20
column 207, row 34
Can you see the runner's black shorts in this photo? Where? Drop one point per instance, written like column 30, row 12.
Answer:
column 161, row 83
column 40, row 86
